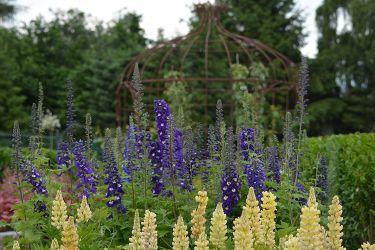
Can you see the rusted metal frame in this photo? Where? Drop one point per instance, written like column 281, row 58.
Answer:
column 255, row 46
column 212, row 79
column 224, row 32
column 201, row 29
column 231, row 111
column 184, row 38
column 206, row 66
column 261, row 47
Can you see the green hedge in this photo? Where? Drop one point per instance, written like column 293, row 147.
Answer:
column 351, row 171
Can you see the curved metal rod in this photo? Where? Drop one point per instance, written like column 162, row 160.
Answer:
column 260, row 47
column 194, row 33
column 228, row 34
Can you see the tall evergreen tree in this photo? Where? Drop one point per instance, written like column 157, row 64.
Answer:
column 346, row 61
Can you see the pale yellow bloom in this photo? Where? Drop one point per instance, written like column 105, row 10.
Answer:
column 69, row 235
column 59, row 215
column 149, row 233
column 334, row 224
column 55, row 245
column 311, row 202
column 310, row 233
column 324, row 239
column 218, row 228
column 268, row 223
column 292, row 243
column 201, row 243
column 136, row 239
column 242, row 235
column 252, row 214
column 16, row 245
column 83, row 212
column 367, row 246
column 198, row 220
column 180, row 235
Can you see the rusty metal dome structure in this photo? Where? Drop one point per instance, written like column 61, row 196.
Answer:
column 200, row 57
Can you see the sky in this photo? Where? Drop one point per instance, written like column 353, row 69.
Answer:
column 171, row 15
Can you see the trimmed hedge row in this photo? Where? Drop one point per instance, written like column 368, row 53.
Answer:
column 351, row 173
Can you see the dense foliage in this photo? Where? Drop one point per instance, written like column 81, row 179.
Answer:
column 351, row 175
column 72, row 45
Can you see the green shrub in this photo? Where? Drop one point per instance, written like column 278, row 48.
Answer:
column 351, row 176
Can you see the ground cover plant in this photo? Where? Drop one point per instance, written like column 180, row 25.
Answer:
column 172, row 175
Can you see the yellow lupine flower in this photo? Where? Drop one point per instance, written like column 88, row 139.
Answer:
column 218, row 228
column 136, row 239
column 55, row 245
column 16, row 245
column 367, row 246
column 242, row 235
column 311, row 202
column 292, row 243
column 324, row 238
column 198, row 220
column 69, row 235
column 310, row 233
column 59, row 215
column 252, row 213
column 268, row 223
column 83, row 212
column 149, row 233
column 201, row 243
column 334, row 224
column 180, row 235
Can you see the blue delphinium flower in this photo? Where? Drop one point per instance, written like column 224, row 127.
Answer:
column 170, row 154
column 274, row 164
column 112, row 178
column 133, row 151
column 253, row 167
column 155, row 156
column 63, row 157
column 34, row 178
column 84, row 171
column 230, row 184
column 184, row 177
column 163, row 114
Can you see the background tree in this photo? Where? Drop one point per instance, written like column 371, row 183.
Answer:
column 7, row 10
column 70, row 46
column 276, row 23
column 345, row 63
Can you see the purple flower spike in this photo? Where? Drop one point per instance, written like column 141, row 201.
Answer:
column 274, row 164
column 184, row 180
column 33, row 177
column 162, row 113
column 133, row 150
column 155, row 157
column 253, row 167
column 63, row 154
column 84, row 170
column 230, row 184
column 112, row 178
